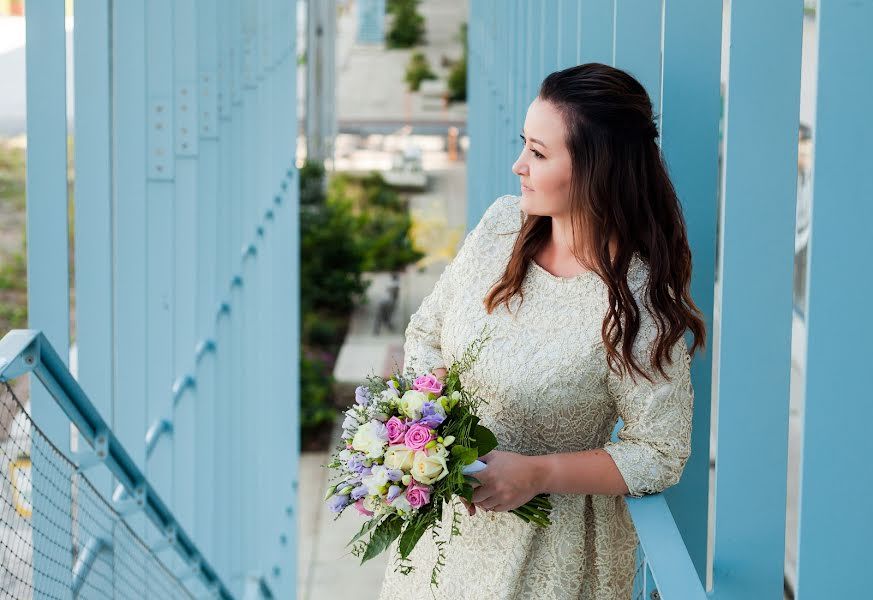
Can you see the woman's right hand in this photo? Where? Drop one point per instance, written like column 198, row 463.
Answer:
column 471, row 508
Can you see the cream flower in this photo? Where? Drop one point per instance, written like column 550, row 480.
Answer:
column 428, row 469
column 371, row 438
column 411, row 402
column 399, row 457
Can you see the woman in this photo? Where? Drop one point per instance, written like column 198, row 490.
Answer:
column 584, row 281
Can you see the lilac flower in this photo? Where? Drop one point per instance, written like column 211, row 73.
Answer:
column 393, row 492
column 432, row 415
column 395, row 474
column 338, row 503
column 362, row 395
column 359, row 492
column 366, row 471
column 356, row 463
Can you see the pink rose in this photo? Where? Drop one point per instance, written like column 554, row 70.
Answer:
column 418, row 436
column 359, row 505
column 427, row 383
column 396, row 430
column 417, row 494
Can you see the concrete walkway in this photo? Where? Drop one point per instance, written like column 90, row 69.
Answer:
column 325, row 567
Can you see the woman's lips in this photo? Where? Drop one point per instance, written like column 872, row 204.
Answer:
column 525, row 188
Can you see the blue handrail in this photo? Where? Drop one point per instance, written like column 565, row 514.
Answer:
column 26, row 350
column 669, row 562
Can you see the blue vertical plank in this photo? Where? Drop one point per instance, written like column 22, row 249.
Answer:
column 835, row 527
column 184, row 266
column 224, row 273
column 236, row 344
column 93, row 193
column 689, row 144
column 567, row 40
column 130, row 400
column 551, row 32
column 596, row 25
column 637, row 43
column 48, row 280
column 757, row 251
column 160, row 193
column 206, row 492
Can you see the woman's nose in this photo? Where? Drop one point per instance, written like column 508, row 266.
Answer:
column 519, row 168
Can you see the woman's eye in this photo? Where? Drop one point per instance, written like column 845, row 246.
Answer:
column 535, row 153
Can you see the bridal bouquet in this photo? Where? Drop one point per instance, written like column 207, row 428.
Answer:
column 410, row 442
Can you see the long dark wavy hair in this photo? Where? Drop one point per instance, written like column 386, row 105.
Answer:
column 619, row 189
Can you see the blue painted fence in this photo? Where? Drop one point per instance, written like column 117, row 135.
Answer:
column 673, row 47
column 186, row 274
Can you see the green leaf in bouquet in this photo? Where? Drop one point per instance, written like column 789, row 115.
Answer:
column 366, row 528
column 485, row 440
column 385, row 533
column 413, row 532
column 467, row 491
column 464, row 455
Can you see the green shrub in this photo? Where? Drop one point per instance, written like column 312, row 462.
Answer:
column 417, row 70
column 457, row 81
column 316, row 382
column 407, row 26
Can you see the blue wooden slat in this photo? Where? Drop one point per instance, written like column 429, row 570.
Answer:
column 184, row 234
column 595, row 37
column 637, row 43
column 689, row 142
column 567, row 42
column 206, row 525
column 48, row 281
column 835, row 526
column 757, row 250
column 93, row 192
column 160, row 191
column 551, row 35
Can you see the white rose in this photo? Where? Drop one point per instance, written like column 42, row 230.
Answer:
column 399, row 457
column 376, row 480
column 410, row 403
column 372, row 503
column 438, row 450
column 371, row 439
column 428, row 469
column 401, row 503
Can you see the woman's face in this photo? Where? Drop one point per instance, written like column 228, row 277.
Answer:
column 544, row 165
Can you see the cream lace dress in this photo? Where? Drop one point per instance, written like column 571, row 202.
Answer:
column 544, row 377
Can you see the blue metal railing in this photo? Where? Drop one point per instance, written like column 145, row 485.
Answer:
column 28, row 351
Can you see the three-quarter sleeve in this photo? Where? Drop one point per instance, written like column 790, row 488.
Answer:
column 655, row 440
column 422, row 351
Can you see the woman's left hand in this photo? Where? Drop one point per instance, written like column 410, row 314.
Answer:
column 509, row 480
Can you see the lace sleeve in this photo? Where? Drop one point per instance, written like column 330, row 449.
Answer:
column 422, row 351
column 655, row 440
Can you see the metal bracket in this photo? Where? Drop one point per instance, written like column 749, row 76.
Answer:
column 186, row 119
column 208, row 102
column 19, row 353
column 180, row 385
column 203, row 347
column 126, row 504
column 168, row 541
column 93, row 456
column 192, row 569
column 249, row 250
column 161, row 165
column 158, row 428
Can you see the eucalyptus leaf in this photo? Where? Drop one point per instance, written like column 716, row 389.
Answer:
column 485, row 440
column 385, row 533
column 413, row 532
column 366, row 528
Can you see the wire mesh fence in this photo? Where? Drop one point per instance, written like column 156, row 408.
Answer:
column 89, row 551
column 644, row 587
